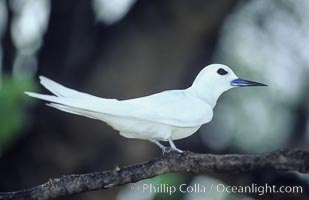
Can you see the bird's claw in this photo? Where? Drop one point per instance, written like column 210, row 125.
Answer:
column 167, row 150
column 178, row 150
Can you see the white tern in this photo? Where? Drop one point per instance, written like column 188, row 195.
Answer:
column 165, row 116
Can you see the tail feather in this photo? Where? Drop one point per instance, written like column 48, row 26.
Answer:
column 57, row 89
column 73, row 110
column 76, row 106
column 62, row 91
column 81, row 103
column 70, row 100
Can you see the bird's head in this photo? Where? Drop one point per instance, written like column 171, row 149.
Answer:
column 215, row 79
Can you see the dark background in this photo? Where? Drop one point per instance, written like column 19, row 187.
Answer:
column 155, row 46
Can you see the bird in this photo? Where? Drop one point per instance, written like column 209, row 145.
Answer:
column 165, row 116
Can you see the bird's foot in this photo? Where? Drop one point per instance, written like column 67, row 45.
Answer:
column 173, row 147
column 178, row 150
column 167, row 150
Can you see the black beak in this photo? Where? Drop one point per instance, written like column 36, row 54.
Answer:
column 244, row 83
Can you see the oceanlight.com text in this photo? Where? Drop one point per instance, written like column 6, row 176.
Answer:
column 221, row 188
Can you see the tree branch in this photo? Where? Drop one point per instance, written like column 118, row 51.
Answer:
column 282, row 160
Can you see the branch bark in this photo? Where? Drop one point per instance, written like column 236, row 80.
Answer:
column 282, row 160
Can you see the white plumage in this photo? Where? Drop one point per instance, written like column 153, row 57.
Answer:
column 165, row 116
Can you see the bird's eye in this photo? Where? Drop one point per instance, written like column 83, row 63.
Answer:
column 222, row 71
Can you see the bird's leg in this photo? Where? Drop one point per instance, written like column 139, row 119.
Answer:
column 164, row 148
column 170, row 140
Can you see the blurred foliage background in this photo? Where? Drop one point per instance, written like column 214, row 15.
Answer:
column 129, row 48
